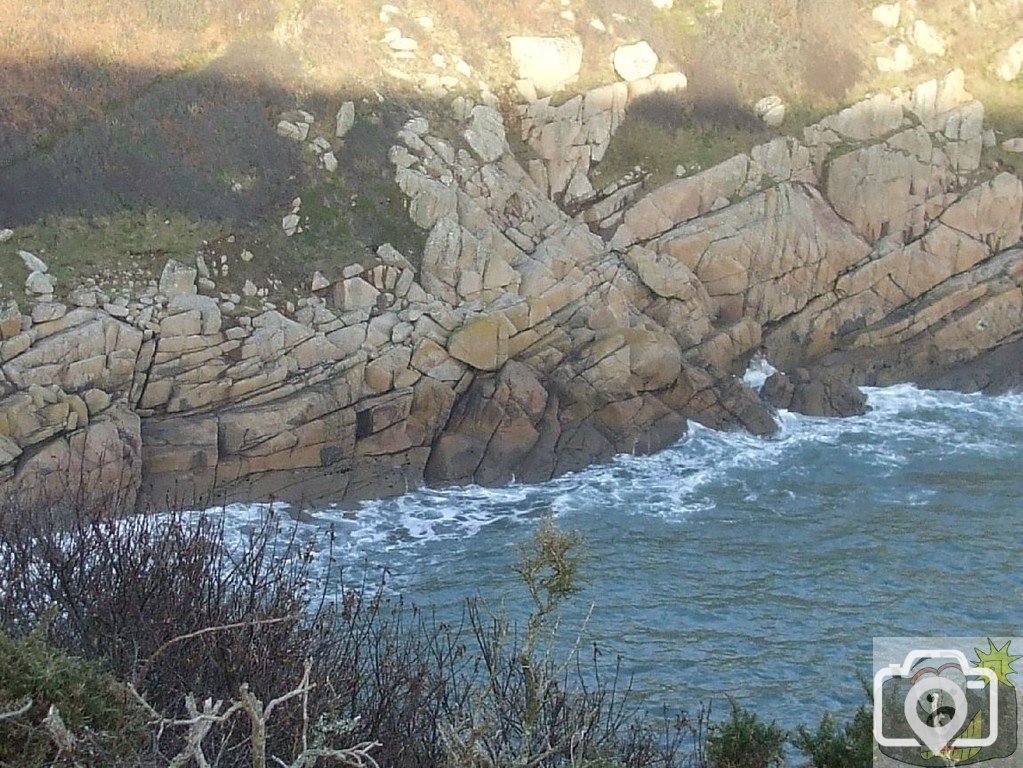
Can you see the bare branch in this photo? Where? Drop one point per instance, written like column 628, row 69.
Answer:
column 206, row 631
column 17, row 712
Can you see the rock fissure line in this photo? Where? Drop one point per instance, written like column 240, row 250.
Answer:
column 550, row 325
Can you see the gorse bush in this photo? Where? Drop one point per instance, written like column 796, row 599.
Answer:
column 46, row 694
column 163, row 641
column 835, row 746
column 745, row 741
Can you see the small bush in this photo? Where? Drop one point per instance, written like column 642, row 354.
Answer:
column 834, row 746
column 49, row 698
column 745, row 741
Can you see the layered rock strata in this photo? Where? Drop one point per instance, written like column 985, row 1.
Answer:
column 549, row 326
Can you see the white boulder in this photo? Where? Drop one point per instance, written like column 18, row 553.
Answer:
column 928, row 39
column 1009, row 62
column 887, row 14
column 550, row 62
column 32, row 262
column 770, row 109
column 635, row 61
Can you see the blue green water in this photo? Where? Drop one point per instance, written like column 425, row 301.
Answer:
column 730, row 564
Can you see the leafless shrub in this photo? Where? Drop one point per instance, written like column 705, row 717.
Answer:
column 199, row 627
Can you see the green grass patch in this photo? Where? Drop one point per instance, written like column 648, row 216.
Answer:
column 120, row 251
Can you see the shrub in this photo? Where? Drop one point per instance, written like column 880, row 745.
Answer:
column 52, row 702
column 212, row 632
column 832, row 746
column 745, row 741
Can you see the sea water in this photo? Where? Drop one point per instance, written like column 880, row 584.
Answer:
column 732, row 565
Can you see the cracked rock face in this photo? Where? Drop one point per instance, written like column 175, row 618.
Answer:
column 550, row 325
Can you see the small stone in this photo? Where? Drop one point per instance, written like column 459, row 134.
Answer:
column 598, row 25
column 249, row 289
column 927, row 39
column 206, row 284
column 6, row 234
column 115, row 310
column 680, row 171
column 319, row 281
column 39, row 283
column 293, row 131
column 10, row 320
column 1009, row 63
column 290, row 224
column 329, row 161
column 887, row 14
column 246, row 255
column 345, row 119
column 32, row 262
column 96, row 400
column 82, row 297
column 1013, row 145
column 404, row 45
column 426, row 22
column 177, row 278
column 351, row 270
column 900, row 60
column 462, row 67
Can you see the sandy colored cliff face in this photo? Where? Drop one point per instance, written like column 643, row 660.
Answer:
column 324, row 252
column 531, row 343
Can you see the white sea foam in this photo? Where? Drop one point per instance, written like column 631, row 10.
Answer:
column 683, row 480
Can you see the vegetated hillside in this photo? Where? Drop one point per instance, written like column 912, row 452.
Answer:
column 133, row 131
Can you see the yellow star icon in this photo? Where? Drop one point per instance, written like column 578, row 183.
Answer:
column 998, row 660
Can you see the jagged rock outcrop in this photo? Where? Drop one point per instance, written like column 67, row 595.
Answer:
column 811, row 396
column 548, row 326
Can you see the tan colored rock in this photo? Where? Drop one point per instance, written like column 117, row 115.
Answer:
column 485, row 133
column 481, row 343
column 928, row 39
column 887, row 14
column 10, row 320
column 355, row 294
column 1009, row 63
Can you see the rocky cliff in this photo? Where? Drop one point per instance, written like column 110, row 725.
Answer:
column 551, row 325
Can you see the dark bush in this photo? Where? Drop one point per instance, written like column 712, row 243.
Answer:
column 46, row 693
column 181, row 613
column 834, row 746
column 745, row 741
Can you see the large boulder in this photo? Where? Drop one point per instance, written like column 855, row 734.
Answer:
column 813, row 396
column 549, row 62
column 635, row 61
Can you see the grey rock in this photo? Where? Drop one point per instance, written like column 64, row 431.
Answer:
column 39, row 283
column 177, row 278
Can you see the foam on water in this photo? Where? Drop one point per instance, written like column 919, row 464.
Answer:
column 789, row 551
column 681, row 480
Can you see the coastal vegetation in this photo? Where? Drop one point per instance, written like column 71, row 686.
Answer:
column 171, row 641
